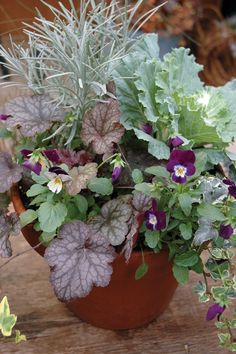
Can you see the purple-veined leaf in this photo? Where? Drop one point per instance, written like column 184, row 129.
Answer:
column 80, row 177
column 141, row 202
column 113, row 222
column 10, row 173
column 34, row 114
column 101, row 127
column 9, row 225
column 130, row 239
column 80, row 259
column 72, row 158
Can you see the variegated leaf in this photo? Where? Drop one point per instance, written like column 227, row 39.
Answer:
column 141, row 202
column 9, row 225
column 34, row 114
column 113, row 221
column 101, row 127
column 10, row 173
column 80, row 177
column 79, row 259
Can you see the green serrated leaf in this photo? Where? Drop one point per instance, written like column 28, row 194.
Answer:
column 51, row 216
column 152, row 238
column 181, row 274
column 28, row 217
column 100, row 185
column 137, row 176
column 185, row 202
column 141, row 271
column 210, row 212
column 187, row 259
column 158, row 171
column 186, row 230
column 36, row 189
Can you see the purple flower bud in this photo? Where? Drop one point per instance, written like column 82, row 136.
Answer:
column 26, row 153
column 231, row 188
column 147, row 128
column 175, row 142
column 36, row 167
column 181, row 165
column 116, row 173
column 4, row 117
column 52, row 155
column 226, row 231
column 213, row 311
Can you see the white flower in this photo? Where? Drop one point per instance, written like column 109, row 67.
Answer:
column 56, row 179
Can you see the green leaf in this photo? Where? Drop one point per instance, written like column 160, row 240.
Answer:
column 186, row 230
column 7, row 320
column 187, row 259
column 28, row 217
column 152, row 238
column 47, row 237
column 100, row 185
column 137, row 176
column 19, row 337
column 36, row 189
column 185, row 202
column 39, row 179
column 158, row 171
column 181, row 274
column 156, row 147
column 51, row 216
column 81, row 203
column 210, row 212
column 5, row 133
column 141, row 271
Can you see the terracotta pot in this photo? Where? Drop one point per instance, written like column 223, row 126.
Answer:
column 125, row 303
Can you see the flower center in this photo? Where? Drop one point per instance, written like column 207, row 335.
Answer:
column 152, row 219
column 57, row 181
column 180, row 171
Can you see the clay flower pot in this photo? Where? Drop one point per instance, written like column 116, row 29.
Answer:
column 125, row 303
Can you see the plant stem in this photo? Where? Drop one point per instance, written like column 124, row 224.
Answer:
column 105, row 161
column 19, row 254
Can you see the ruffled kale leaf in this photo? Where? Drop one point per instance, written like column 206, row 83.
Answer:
column 205, row 232
column 34, row 114
column 10, row 173
column 113, row 221
column 101, row 127
column 9, row 225
column 79, row 259
column 80, row 177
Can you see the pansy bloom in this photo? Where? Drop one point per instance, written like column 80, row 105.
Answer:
column 4, row 117
column 213, row 311
column 226, row 231
column 181, row 165
column 155, row 219
column 231, row 186
column 57, row 176
column 36, row 160
column 175, row 142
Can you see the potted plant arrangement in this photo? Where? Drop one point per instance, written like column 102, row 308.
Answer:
column 121, row 175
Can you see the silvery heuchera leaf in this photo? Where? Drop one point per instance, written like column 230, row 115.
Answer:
column 34, row 114
column 129, row 243
column 101, row 127
column 80, row 176
column 9, row 225
column 213, row 190
column 113, row 221
column 10, row 173
column 205, row 232
column 79, row 259
column 141, row 202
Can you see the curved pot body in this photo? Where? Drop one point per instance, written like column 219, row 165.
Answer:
column 125, row 303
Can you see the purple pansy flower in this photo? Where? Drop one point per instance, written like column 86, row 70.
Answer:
column 226, row 231
column 4, row 117
column 181, row 165
column 52, row 155
column 155, row 219
column 175, row 142
column 36, row 167
column 231, row 186
column 147, row 128
column 213, row 311
column 37, row 159
column 116, row 173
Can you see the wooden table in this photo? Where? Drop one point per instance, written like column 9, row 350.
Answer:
column 52, row 329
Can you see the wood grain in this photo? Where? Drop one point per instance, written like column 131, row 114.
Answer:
column 52, row 329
